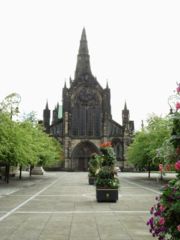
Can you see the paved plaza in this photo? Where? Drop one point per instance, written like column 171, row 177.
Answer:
column 62, row 206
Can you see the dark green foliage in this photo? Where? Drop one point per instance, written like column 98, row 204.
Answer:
column 108, row 156
column 175, row 138
column 106, row 175
column 94, row 165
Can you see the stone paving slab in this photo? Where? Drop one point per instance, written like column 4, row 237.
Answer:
column 63, row 206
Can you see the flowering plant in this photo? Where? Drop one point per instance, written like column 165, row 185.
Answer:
column 106, row 175
column 165, row 220
column 105, row 145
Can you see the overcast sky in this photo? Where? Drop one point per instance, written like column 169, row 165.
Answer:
column 134, row 45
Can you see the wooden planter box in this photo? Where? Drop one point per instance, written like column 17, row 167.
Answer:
column 92, row 180
column 106, row 195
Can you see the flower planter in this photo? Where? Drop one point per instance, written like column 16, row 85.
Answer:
column 92, row 180
column 106, row 195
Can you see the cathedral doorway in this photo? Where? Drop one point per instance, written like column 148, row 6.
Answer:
column 81, row 155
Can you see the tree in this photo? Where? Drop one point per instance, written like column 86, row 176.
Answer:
column 24, row 143
column 7, row 143
column 38, row 148
column 142, row 153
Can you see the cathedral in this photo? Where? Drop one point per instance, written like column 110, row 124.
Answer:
column 84, row 121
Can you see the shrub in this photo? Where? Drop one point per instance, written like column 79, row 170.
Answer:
column 106, row 175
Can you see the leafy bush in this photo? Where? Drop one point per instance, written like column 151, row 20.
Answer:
column 165, row 220
column 106, row 175
column 94, row 165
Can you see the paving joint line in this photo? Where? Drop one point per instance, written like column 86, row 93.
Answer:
column 82, row 212
column 28, row 200
column 141, row 186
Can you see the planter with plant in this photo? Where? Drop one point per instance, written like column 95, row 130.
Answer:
column 107, row 183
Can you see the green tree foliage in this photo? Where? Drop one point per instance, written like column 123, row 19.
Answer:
column 138, row 152
column 25, row 143
column 7, row 140
column 142, row 153
column 94, row 164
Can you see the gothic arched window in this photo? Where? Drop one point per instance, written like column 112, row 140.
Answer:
column 86, row 114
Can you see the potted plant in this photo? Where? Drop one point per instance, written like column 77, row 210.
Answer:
column 107, row 183
column 94, row 165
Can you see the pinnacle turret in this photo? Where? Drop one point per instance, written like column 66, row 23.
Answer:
column 107, row 85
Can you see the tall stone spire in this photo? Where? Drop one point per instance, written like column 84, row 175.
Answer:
column 83, row 61
column 46, row 118
column 125, row 106
column 125, row 115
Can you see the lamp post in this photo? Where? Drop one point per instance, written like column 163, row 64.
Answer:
column 14, row 104
column 174, row 100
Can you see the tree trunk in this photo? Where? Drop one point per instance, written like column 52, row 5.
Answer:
column 7, row 173
column 20, row 172
column 149, row 170
column 30, row 170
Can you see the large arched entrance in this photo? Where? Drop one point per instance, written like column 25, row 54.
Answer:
column 81, row 155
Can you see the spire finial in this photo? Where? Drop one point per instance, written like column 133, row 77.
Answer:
column 83, row 62
column 107, row 85
column 47, row 107
column 83, row 35
column 125, row 105
column 83, row 48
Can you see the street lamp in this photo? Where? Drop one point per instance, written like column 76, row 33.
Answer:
column 174, row 100
column 14, row 102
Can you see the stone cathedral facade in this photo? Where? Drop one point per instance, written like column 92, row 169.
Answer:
column 86, row 119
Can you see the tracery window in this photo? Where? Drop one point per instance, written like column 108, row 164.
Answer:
column 86, row 114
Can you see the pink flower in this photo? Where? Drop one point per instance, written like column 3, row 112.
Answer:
column 178, row 227
column 160, row 167
column 177, row 105
column 162, row 208
column 161, row 221
column 178, row 89
column 177, row 165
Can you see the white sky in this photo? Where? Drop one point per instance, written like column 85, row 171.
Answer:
column 134, row 44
